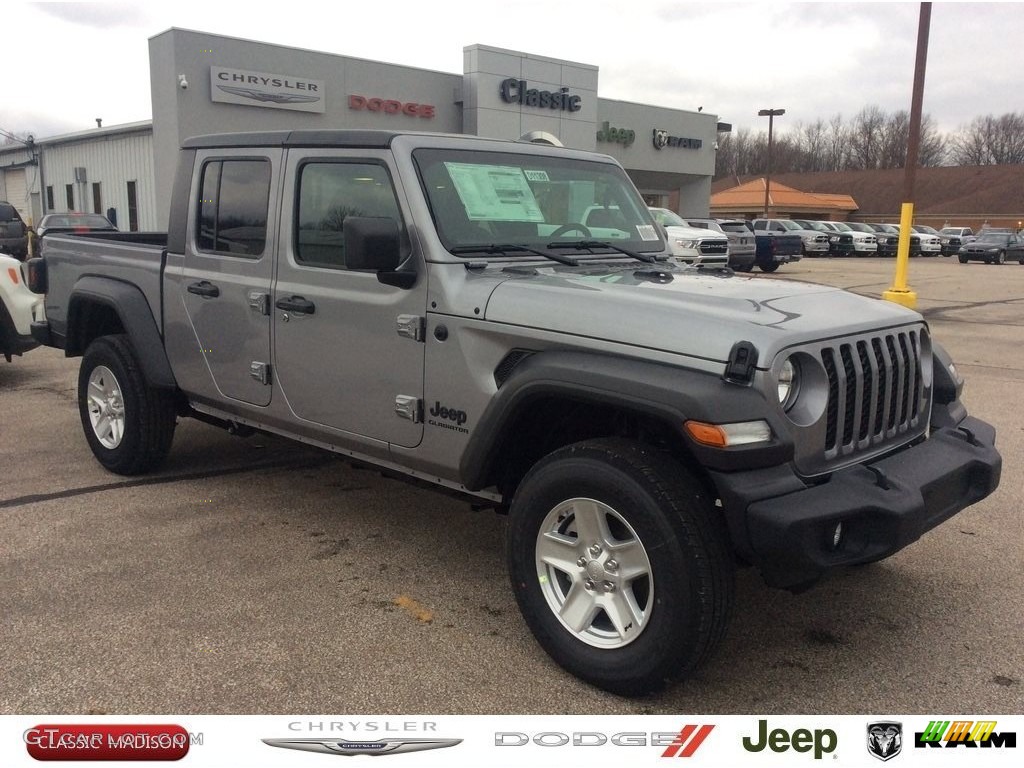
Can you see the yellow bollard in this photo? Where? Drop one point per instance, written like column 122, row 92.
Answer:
column 899, row 292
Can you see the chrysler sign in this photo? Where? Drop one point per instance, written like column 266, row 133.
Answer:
column 264, row 89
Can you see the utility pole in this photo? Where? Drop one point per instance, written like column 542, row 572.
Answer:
column 900, row 291
column 771, row 114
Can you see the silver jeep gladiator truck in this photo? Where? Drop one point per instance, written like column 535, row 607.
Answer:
column 435, row 306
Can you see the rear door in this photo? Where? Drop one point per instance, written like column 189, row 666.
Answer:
column 348, row 349
column 228, row 267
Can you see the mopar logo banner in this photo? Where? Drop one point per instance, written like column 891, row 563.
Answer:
column 264, row 89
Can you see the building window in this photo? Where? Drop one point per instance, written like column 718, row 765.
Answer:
column 97, row 199
column 69, row 196
column 49, row 198
column 233, row 199
column 133, row 207
column 328, row 193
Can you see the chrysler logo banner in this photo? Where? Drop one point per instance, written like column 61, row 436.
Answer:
column 348, row 748
column 264, row 89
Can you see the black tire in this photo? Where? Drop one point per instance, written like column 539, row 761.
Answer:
column 962, row 259
column 1001, row 257
column 690, row 582
column 768, row 266
column 749, row 268
column 148, row 414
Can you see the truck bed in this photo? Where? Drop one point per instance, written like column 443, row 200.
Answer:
column 134, row 257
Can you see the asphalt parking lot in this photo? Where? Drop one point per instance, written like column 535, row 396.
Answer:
column 259, row 576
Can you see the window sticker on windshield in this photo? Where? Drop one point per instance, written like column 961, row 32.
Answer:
column 646, row 232
column 537, row 175
column 494, row 192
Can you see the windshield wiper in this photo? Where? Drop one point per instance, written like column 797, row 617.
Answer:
column 590, row 245
column 498, row 249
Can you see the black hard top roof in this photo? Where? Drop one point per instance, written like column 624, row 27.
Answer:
column 306, row 138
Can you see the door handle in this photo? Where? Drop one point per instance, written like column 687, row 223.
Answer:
column 204, row 288
column 298, row 304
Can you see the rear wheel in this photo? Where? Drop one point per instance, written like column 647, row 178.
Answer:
column 768, row 266
column 128, row 424
column 619, row 565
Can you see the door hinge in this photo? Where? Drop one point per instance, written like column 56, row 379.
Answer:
column 409, row 407
column 259, row 301
column 411, row 327
column 260, row 371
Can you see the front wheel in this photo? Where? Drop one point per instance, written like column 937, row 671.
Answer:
column 768, row 266
column 619, row 565
column 128, row 424
column 962, row 259
column 1001, row 257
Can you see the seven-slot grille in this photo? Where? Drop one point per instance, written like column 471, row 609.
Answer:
column 875, row 390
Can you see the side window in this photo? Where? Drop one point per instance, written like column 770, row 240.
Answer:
column 233, row 198
column 329, row 192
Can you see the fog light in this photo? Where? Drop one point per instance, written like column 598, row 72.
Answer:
column 837, row 536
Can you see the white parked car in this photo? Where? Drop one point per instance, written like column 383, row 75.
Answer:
column 931, row 242
column 691, row 244
column 18, row 308
column 865, row 239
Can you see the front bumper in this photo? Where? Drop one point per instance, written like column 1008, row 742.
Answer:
column 884, row 505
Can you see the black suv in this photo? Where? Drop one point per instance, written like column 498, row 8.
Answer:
column 13, row 232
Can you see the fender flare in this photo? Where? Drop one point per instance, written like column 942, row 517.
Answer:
column 136, row 316
column 668, row 393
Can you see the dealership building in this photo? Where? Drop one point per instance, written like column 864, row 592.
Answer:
column 204, row 83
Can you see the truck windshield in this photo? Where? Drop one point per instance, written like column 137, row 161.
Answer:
column 534, row 200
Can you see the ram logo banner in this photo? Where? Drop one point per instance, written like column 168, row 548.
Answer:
column 885, row 739
column 349, row 748
column 965, row 733
column 265, row 89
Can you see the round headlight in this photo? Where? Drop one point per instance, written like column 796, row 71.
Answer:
column 788, row 380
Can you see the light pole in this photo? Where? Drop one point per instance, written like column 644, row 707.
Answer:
column 771, row 114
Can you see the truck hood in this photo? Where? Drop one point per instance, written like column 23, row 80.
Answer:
column 699, row 314
column 694, row 233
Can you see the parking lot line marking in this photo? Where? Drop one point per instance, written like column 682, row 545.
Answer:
column 70, row 492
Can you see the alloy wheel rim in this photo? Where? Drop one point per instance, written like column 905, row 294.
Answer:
column 105, row 403
column 594, row 573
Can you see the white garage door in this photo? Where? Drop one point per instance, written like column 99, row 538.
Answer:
column 17, row 192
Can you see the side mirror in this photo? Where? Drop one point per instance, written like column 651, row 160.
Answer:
column 374, row 244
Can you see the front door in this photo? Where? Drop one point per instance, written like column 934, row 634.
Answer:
column 341, row 358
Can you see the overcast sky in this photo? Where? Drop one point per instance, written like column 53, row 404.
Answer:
column 69, row 63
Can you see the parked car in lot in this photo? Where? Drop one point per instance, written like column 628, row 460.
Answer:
column 865, row 242
column 76, row 223
column 814, row 242
column 839, row 243
column 19, row 307
column 931, row 243
column 742, row 249
column 915, row 239
column 954, row 237
column 13, row 232
column 742, row 244
column 693, row 245
column 993, row 248
column 887, row 237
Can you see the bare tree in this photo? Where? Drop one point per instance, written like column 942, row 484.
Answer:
column 835, row 144
column 990, row 140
